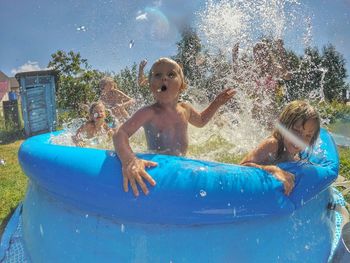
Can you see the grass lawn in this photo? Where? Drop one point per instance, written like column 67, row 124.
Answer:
column 13, row 182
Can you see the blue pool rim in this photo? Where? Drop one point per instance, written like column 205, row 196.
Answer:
column 189, row 193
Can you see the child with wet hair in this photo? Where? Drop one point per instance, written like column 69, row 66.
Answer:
column 115, row 100
column 95, row 126
column 165, row 123
column 297, row 128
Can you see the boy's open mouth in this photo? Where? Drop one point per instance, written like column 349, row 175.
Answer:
column 162, row 88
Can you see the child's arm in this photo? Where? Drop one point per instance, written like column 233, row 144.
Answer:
column 124, row 99
column 77, row 140
column 133, row 168
column 200, row 119
column 261, row 158
column 141, row 79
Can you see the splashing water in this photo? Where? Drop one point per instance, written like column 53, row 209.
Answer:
column 260, row 96
column 81, row 29
column 248, row 118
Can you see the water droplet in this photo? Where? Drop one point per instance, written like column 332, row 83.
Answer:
column 86, row 216
column 228, row 204
column 41, row 230
column 81, row 28
column 77, row 231
column 307, row 247
column 242, row 190
column 112, row 154
column 131, row 43
column 202, row 168
column 202, row 193
column 257, row 241
column 122, row 228
column 2, row 162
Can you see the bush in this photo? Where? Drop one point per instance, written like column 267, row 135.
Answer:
column 330, row 112
column 9, row 132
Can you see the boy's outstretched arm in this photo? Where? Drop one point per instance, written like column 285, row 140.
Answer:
column 200, row 119
column 133, row 168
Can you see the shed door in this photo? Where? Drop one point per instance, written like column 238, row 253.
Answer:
column 37, row 113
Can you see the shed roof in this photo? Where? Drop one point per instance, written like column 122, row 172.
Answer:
column 3, row 76
column 14, row 83
column 37, row 73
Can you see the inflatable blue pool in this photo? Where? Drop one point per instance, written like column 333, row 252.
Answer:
column 75, row 209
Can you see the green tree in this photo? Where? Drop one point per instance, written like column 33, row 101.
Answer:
column 334, row 80
column 127, row 82
column 307, row 75
column 317, row 74
column 188, row 55
column 218, row 70
column 77, row 83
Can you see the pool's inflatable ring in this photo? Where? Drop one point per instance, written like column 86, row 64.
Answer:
column 198, row 212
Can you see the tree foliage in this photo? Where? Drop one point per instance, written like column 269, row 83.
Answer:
column 319, row 75
column 127, row 82
column 77, row 83
column 334, row 79
column 188, row 53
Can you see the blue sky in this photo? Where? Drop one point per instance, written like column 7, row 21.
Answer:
column 101, row 30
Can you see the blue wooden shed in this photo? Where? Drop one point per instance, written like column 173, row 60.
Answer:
column 37, row 91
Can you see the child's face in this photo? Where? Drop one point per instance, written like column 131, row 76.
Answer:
column 304, row 132
column 98, row 113
column 166, row 82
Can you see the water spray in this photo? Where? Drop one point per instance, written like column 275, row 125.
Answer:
column 291, row 136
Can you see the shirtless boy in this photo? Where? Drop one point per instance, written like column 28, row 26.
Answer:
column 165, row 123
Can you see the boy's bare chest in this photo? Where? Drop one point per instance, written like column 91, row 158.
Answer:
column 168, row 122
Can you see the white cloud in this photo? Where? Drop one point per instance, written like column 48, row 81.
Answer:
column 28, row 66
column 142, row 17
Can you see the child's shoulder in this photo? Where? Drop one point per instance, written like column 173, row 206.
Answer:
column 146, row 110
column 270, row 144
column 185, row 105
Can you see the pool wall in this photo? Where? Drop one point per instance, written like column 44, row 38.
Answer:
column 76, row 211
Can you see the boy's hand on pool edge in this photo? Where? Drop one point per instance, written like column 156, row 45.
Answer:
column 134, row 172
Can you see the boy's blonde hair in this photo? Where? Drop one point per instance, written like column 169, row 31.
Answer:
column 178, row 67
column 295, row 111
column 106, row 80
